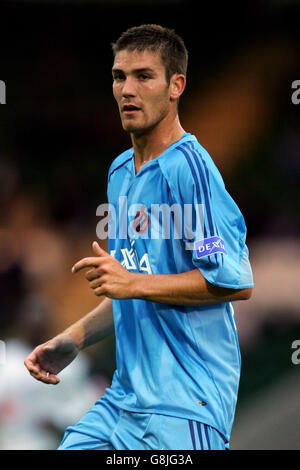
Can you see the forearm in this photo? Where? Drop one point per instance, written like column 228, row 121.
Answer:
column 189, row 288
column 94, row 326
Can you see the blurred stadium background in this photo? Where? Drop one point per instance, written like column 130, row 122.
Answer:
column 59, row 132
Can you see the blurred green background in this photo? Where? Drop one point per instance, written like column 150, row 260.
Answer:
column 59, row 132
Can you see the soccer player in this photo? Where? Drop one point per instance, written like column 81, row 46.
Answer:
column 176, row 261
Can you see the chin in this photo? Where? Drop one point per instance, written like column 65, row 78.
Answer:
column 130, row 127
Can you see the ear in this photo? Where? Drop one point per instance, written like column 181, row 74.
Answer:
column 177, row 86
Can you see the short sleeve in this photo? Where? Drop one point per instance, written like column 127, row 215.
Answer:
column 213, row 228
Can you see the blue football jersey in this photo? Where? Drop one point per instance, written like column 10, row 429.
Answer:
column 173, row 216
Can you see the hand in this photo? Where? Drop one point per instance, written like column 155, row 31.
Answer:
column 49, row 358
column 108, row 277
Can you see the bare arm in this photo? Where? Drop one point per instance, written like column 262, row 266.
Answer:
column 108, row 277
column 188, row 288
column 94, row 326
column 50, row 358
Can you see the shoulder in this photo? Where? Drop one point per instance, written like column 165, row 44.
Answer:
column 119, row 161
column 188, row 162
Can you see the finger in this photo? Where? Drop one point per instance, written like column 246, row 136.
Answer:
column 35, row 370
column 38, row 373
column 35, row 374
column 32, row 366
column 44, row 376
column 98, row 250
column 91, row 262
column 99, row 291
column 95, row 284
column 93, row 274
column 53, row 380
column 49, row 378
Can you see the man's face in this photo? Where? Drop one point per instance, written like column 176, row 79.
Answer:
column 140, row 89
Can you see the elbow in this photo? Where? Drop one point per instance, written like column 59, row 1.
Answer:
column 246, row 293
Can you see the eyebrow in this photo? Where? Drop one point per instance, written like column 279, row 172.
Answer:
column 141, row 70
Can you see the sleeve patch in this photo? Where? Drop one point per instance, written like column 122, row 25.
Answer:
column 209, row 246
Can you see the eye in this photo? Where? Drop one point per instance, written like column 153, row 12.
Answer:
column 143, row 76
column 118, row 76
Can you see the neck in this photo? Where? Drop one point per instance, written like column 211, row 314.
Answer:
column 152, row 143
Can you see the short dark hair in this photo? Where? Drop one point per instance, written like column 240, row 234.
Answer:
column 155, row 38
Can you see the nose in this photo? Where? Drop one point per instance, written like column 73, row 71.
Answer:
column 128, row 88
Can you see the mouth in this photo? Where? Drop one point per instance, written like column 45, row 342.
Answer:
column 129, row 109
